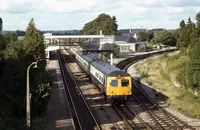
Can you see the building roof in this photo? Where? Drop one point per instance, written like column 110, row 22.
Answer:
column 131, row 31
column 119, row 38
column 126, row 38
column 94, row 40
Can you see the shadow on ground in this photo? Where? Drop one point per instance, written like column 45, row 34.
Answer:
column 152, row 93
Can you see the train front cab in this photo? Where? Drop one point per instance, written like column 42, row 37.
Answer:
column 119, row 87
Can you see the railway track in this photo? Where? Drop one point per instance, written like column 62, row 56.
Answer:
column 155, row 122
column 161, row 119
column 128, row 119
column 82, row 114
column 165, row 120
column 131, row 119
column 109, row 116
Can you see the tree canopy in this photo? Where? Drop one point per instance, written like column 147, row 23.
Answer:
column 198, row 17
column 143, row 36
column 1, row 24
column 182, row 24
column 193, row 47
column 111, row 46
column 165, row 37
column 103, row 22
column 188, row 40
column 33, row 42
column 15, row 57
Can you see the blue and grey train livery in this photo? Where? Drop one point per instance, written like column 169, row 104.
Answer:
column 116, row 84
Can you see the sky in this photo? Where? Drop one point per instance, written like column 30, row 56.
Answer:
column 73, row 14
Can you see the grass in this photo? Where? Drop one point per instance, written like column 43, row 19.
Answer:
column 166, row 74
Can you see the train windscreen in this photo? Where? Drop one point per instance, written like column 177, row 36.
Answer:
column 125, row 83
column 114, row 83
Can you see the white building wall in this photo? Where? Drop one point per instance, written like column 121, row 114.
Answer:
column 133, row 47
column 126, row 47
column 106, row 39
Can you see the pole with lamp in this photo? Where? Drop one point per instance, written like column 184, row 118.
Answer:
column 28, row 96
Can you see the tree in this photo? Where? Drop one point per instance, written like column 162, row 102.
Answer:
column 114, row 25
column 193, row 65
column 198, row 23
column 143, row 36
column 2, row 42
column 182, row 24
column 11, row 36
column 14, row 60
column 198, row 17
column 165, row 37
column 186, row 35
column 150, row 36
column 34, row 44
column 12, row 70
column 1, row 24
column 190, row 25
column 103, row 22
column 35, row 51
column 111, row 46
column 189, row 21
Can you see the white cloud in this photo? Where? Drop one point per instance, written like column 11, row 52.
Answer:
column 19, row 6
column 70, row 14
column 66, row 6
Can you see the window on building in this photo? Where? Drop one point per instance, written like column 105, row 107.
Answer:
column 126, row 48
column 122, row 48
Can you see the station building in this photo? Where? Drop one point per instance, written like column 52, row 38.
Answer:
column 126, row 43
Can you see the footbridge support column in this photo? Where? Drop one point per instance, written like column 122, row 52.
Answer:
column 111, row 58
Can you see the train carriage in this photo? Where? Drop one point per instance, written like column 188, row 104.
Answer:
column 84, row 60
column 116, row 84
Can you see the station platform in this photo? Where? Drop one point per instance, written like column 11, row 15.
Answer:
column 58, row 116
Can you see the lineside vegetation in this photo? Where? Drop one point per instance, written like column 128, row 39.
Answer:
column 15, row 56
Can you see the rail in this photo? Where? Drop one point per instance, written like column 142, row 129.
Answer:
column 83, row 114
column 150, row 104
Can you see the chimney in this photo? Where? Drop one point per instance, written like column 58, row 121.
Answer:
column 135, row 36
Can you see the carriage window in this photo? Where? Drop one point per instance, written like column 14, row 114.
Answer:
column 125, row 83
column 114, row 83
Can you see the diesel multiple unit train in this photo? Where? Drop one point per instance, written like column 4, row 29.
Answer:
column 114, row 83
